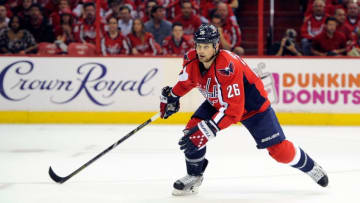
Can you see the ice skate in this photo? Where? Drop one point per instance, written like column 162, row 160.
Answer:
column 190, row 183
column 319, row 175
column 187, row 185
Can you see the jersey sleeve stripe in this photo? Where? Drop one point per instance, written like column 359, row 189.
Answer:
column 223, row 104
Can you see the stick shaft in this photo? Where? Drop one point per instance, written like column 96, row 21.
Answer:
column 59, row 179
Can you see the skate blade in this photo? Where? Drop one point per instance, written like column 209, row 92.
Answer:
column 192, row 191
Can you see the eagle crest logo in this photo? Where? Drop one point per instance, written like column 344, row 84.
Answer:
column 228, row 70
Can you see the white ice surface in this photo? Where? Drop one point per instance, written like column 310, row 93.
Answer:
column 144, row 167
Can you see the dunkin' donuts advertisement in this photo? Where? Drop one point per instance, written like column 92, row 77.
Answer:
column 311, row 85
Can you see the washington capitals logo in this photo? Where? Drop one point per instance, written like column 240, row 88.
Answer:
column 186, row 58
column 228, row 70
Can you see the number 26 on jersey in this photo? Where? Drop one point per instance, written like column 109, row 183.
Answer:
column 233, row 90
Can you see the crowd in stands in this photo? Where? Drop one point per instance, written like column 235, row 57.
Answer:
column 330, row 28
column 164, row 27
column 127, row 27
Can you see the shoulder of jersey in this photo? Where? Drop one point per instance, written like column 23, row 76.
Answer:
column 189, row 56
column 225, row 65
column 223, row 59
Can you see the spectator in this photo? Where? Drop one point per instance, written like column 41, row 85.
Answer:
column 224, row 37
column 114, row 9
column 330, row 42
column 140, row 41
column 177, row 43
column 64, row 32
column 23, row 10
column 4, row 20
column 287, row 45
column 329, row 7
column 208, row 7
column 16, row 40
column 190, row 21
column 225, row 12
column 312, row 26
column 158, row 26
column 54, row 18
column 117, row 4
column 145, row 14
column 354, row 47
column 342, row 27
column 125, row 20
column 174, row 8
column 352, row 15
column 85, row 30
column 230, row 27
column 39, row 26
column 80, row 7
column 114, row 42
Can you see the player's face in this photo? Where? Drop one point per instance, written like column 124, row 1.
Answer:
column 205, row 51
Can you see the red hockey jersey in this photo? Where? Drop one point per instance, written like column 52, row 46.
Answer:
column 170, row 47
column 143, row 47
column 114, row 46
column 229, row 85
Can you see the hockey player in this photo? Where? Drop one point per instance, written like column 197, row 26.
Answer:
column 233, row 94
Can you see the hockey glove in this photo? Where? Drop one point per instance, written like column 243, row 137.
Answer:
column 169, row 103
column 195, row 139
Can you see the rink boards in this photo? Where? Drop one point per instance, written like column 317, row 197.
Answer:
column 308, row 91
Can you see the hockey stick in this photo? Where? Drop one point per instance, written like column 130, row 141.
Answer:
column 60, row 180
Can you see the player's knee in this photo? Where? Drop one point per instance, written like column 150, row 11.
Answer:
column 192, row 123
column 283, row 152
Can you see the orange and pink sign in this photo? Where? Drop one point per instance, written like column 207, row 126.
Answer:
column 311, row 85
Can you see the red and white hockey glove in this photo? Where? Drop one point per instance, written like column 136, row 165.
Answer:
column 196, row 138
column 169, row 103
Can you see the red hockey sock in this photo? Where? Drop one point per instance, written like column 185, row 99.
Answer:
column 283, row 152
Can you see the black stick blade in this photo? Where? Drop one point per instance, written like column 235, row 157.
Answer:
column 55, row 177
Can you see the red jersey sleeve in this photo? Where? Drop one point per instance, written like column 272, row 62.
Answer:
column 185, row 81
